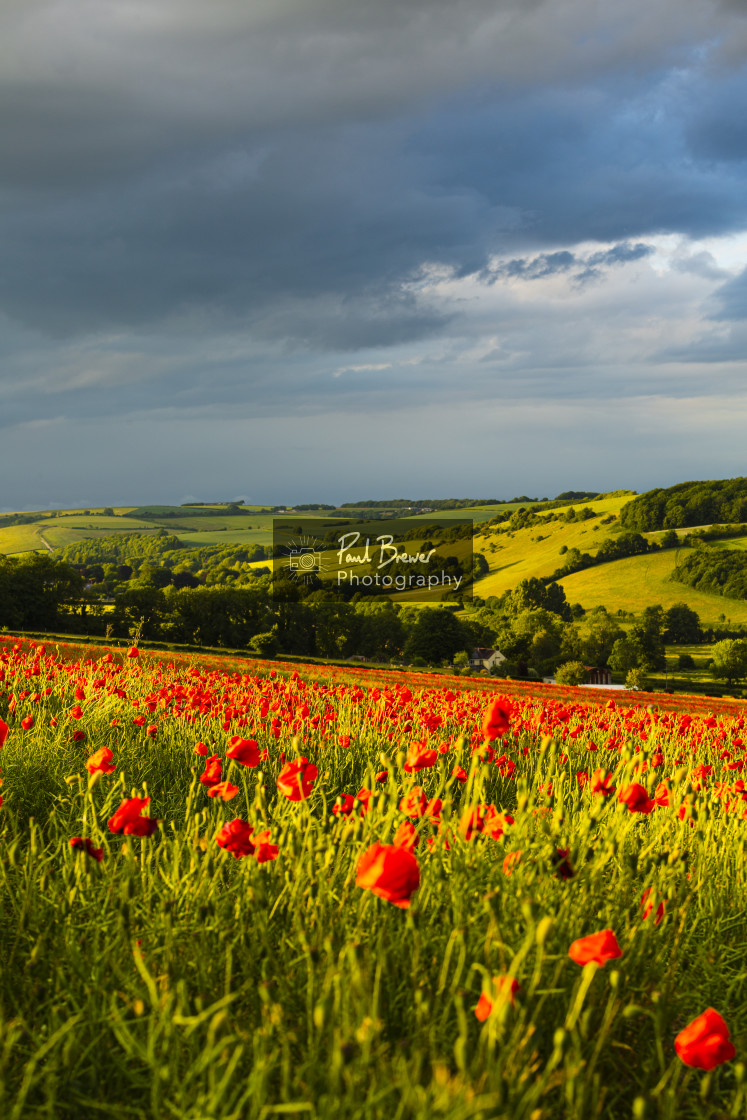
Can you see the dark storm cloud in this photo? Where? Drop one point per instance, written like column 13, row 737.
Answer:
column 243, row 158
column 260, row 206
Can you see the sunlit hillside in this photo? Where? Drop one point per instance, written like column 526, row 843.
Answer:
column 518, row 555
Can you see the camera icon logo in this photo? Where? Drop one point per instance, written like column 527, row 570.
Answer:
column 304, row 560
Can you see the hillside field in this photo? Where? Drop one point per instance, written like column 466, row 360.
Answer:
column 535, row 551
column 640, row 581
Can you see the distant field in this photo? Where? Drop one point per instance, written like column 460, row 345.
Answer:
column 630, row 584
column 238, row 521
column 66, row 528
column 20, row 538
column 477, row 513
column 225, row 537
column 641, row 581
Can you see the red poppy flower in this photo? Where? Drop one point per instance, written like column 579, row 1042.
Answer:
column 127, row 818
column 237, row 838
column 636, row 798
column 506, row 766
column 364, row 797
column 511, row 862
column 406, row 836
column 381, row 776
column 27, row 723
column 264, row 851
column 413, row 803
column 562, row 863
column 83, row 844
column 420, row 758
column 484, row 819
column 600, row 947
column 4, row 732
column 224, row 790
column 601, row 782
column 133, row 652
column 297, row 778
column 647, row 907
column 343, row 807
column 143, row 826
column 213, row 772
column 245, row 751
column 497, row 719
column 661, row 794
column 504, row 990
column 390, row 873
column 76, row 712
column 705, row 1042
column 201, row 749
column 101, row 762
column 459, row 773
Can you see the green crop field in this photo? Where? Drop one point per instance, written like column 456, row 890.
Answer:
column 478, row 514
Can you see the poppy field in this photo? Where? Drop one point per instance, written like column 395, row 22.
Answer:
column 240, row 892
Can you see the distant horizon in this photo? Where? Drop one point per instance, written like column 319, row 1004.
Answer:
column 355, row 503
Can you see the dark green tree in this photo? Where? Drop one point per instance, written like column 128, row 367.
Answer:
column 435, row 637
column 682, row 626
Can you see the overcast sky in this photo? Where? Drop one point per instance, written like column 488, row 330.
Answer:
column 289, row 250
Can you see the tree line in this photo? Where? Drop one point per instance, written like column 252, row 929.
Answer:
column 687, row 504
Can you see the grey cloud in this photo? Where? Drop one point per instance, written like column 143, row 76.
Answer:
column 731, row 299
column 231, row 163
column 584, row 266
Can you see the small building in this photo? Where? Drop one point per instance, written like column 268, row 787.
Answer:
column 598, row 674
column 484, row 658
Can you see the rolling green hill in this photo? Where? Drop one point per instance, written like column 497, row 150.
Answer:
column 513, row 553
